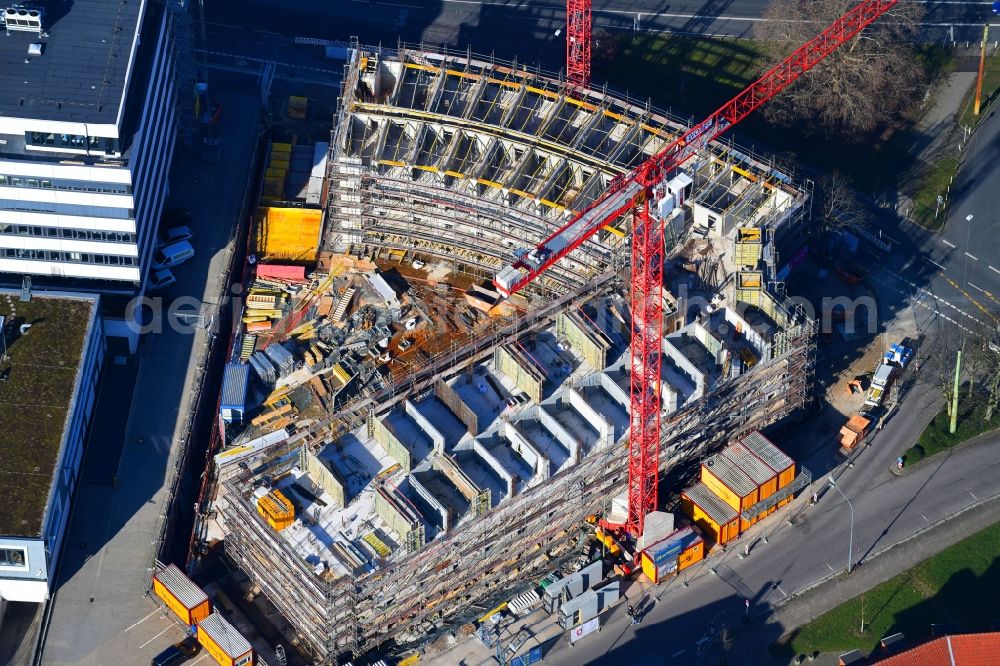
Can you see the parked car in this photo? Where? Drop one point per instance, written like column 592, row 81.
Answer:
column 175, row 234
column 177, row 653
column 175, row 217
column 161, row 278
column 172, row 255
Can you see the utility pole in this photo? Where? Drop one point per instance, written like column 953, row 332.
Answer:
column 982, row 67
column 954, row 393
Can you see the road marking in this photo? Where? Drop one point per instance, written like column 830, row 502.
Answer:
column 971, row 257
column 828, row 565
column 976, row 287
column 973, row 495
column 156, row 636
column 200, row 658
column 925, row 517
column 948, row 243
column 677, row 654
column 937, row 264
column 994, row 270
column 143, row 620
column 781, row 590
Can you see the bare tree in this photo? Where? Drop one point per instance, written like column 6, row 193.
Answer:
column 838, row 206
column 862, row 85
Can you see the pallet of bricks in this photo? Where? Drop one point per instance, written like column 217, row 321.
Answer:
column 740, row 476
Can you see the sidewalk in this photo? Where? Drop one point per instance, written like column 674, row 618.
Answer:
column 809, row 604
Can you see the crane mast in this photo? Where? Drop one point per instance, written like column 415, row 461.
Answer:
column 633, row 192
column 578, row 28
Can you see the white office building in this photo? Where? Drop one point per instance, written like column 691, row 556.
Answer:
column 87, row 130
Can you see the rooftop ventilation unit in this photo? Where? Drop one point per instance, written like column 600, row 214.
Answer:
column 21, row 19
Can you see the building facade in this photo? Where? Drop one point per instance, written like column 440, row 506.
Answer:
column 87, row 129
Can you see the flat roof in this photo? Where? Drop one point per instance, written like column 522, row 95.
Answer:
column 81, row 74
column 710, row 503
column 35, row 400
column 767, row 451
column 725, row 470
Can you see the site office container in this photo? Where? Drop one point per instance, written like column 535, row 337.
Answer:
column 764, row 449
column 730, row 484
column 718, row 520
column 672, row 555
column 759, row 472
column 276, row 509
column 188, row 601
column 221, row 640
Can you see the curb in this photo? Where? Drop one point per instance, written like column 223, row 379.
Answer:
column 972, row 441
column 920, row 532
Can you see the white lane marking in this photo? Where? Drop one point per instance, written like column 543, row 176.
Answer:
column 976, row 287
column 200, row 658
column 971, row 257
column 948, row 243
column 142, row 620
column 994, row 270
column 827, row 564
column 937, row 264
column 973, row 495
column 677, row 654
column 156, row 636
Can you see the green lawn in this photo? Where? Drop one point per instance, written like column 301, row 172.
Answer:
column 936, row 436
column 936, row 180
column 959, row 585
column 991, row 88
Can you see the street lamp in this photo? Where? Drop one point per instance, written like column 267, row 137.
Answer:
column 850, row 543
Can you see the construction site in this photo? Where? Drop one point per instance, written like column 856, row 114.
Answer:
column 405, row 442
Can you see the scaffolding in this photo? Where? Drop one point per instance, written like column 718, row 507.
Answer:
column 459, row 159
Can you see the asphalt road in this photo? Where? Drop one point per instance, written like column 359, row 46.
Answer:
column 526, row 29
column 100, row 615
column 956, row 271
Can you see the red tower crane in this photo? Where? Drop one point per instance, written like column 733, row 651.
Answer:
column 578, row 42
column 633, row 191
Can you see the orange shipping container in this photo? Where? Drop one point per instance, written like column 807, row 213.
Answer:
column 221, row 640
column 730, row 483
column 188, row 601
column 718, row 520
column 772, row 455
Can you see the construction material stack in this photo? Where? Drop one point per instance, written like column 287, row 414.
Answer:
column 276, row 509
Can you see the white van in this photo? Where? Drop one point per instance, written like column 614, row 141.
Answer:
column 172, row 255
column 175, row 234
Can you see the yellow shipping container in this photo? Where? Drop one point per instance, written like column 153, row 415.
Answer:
column 221, row 640
column 729, row 482
column 188, row 601
column 718, row 520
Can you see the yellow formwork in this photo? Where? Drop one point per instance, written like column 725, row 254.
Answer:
column 290, row 234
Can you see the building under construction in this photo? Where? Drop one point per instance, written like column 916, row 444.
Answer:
column 409, row 511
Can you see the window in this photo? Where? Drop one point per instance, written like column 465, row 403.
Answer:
column 13, row 557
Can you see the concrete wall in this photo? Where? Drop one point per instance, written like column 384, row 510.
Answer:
column 325, row 478
column 437, row 439
column 388, row 441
